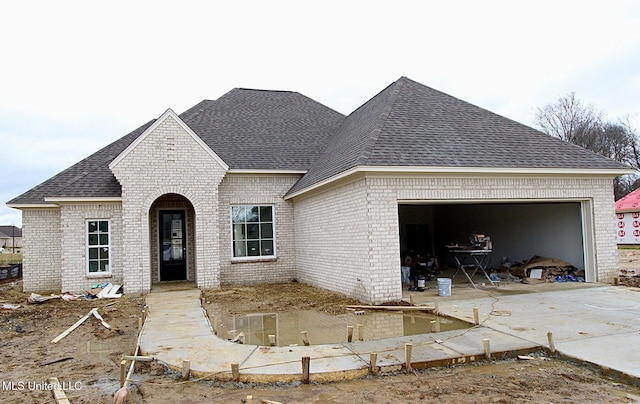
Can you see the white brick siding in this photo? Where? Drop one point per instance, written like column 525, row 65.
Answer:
column 347, row 237
column 74, row 244
column 332, row 251
column 168, row 160
column 41, row 254
column 343, row 237
column 238, row 189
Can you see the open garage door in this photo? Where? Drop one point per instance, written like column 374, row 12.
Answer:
column 518, row 231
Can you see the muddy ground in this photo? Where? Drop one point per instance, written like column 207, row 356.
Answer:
column 89, row 361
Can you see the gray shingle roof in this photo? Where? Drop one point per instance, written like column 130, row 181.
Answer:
column 410, row 124
column 258, row 129
column 406, row 124
column 90, row 177
column 248, row 129
column 10, row 231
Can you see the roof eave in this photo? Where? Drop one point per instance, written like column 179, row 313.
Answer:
column 76, row 199
column 405, row 170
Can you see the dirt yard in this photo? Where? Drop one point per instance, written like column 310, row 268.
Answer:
column 87, row 361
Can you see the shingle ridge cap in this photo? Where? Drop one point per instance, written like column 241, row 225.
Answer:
column 382, row 121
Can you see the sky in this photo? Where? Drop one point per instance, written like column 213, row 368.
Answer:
column 77, row 75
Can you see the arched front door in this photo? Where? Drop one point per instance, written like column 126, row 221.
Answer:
column 172, row 237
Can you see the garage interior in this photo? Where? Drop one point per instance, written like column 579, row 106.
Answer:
column 518, row 231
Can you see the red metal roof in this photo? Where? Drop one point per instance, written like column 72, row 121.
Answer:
column 629, row 202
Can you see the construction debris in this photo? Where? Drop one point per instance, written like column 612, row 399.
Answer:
column 93, row 312
column 50, row 362
column 106, row 291
column 58, row 393
column 542, row 269
column 36, row 298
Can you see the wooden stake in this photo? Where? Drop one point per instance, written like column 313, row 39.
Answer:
column 305, row 338
column 186, row 369
column 408, row 347
column 241, row 338
column 215, row 325
column 411, row 299
column 433, row 325
column 487, row 349
column 349, row 333
column 436, row 307
column 139, row 323
column 123, row 372
column 272, row 340
column 476, row 316
column 235, row 372
column 249, row 400
column 306, row 362
column 552, row 345
column 437, row 324
column 373, row 360
column 616, row 281
column 360, row 329
column 58, row 394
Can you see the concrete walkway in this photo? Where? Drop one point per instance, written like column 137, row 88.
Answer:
column 599, row 325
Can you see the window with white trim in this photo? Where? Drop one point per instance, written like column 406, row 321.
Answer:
column 253, row 231
column 98, row 247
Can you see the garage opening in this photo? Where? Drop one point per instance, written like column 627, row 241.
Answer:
column 518, row 231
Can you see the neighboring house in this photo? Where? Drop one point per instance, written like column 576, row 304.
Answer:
column 269, row 186
column 628, row 215
column 10, row 239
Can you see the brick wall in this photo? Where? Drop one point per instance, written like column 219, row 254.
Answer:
column 168, row 161
column 238, row 189
column 332, row 251
column 41, row 254
column 347, row 237
column 73, row 239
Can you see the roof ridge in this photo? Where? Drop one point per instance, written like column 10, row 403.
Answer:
column 382, row 121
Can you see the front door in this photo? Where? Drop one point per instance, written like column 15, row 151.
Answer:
column 173, row 245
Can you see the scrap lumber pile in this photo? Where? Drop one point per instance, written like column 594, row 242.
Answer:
column 542, row 269
column 106, row 291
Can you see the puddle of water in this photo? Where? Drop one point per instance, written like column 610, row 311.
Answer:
column 328, row 329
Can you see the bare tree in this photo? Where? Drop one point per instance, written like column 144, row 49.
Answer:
column 569, row 120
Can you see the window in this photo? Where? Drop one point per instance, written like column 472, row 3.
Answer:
column 252, row 228
column 98, row 251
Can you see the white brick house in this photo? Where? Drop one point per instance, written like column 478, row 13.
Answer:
column 271, row 186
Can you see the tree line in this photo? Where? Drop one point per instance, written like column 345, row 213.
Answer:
column 572, row 121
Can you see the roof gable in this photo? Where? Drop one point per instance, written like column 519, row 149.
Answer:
column 168, row 114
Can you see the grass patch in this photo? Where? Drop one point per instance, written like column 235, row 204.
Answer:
column 6, row 259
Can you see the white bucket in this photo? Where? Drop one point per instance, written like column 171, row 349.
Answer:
column 444, row 287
